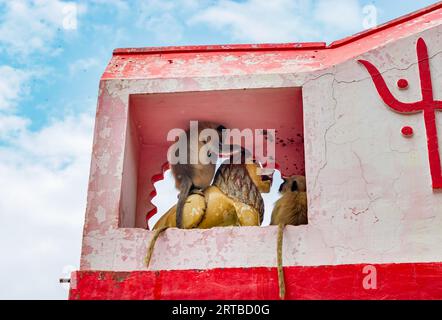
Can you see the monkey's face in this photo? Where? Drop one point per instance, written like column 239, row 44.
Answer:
column 220, row 129
column 208, row 153
column 262, row 177
column 293, row 184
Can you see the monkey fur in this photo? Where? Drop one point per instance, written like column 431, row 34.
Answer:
column 291, row 208
column 195, row 177
column 233, row 199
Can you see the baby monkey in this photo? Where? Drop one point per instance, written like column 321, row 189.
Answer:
column 291, row 208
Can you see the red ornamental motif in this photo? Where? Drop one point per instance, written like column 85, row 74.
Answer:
column 427, row 105
column 402, row 83
column 407, row 131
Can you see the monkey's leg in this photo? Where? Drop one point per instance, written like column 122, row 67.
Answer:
column 194, row 210
column 247, row 215
column 220, row 210
column 281, row 281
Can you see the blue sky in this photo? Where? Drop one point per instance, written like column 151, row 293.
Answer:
column 52, row 54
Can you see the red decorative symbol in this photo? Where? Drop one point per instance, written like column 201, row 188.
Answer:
column 402, row 83
column 407, row 131
column 427, row 105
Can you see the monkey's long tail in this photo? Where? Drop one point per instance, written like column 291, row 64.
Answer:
column 185, row 187
column 151, row 247
column 281, row 281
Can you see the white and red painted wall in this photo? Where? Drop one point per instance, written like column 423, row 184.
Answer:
column 369, row 151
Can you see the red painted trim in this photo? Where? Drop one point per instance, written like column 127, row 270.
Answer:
column 392, row 281
column 154, row 179
column 278, row 46
column 221, row 48
column 387, row 25
column 427, row 105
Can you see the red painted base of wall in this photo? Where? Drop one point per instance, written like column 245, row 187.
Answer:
column 394, row 281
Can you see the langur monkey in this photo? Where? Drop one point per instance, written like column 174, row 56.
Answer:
column 291, row 208
column 194, row 177
column 191, row 176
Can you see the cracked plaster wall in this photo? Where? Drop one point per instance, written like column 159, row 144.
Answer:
column 370, row 187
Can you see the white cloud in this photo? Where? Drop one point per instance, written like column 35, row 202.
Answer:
column 11, row 125
column 83, row 65
column 259, row 20
column 165, row 27
column 43, row 173
column 59, row 143
column 345, row 15
column 165, row 19
column 31, row 26
column 44, row 178
column 12, row 86
column 118, row 4
column 282, row 20
column 160, row 19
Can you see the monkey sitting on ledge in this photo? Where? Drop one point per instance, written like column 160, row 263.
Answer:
column 291, row 208
column 194, row 178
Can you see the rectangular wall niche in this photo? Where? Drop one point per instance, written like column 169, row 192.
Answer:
column 151, row 116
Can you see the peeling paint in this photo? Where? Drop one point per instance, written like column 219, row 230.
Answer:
column 370, row 199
